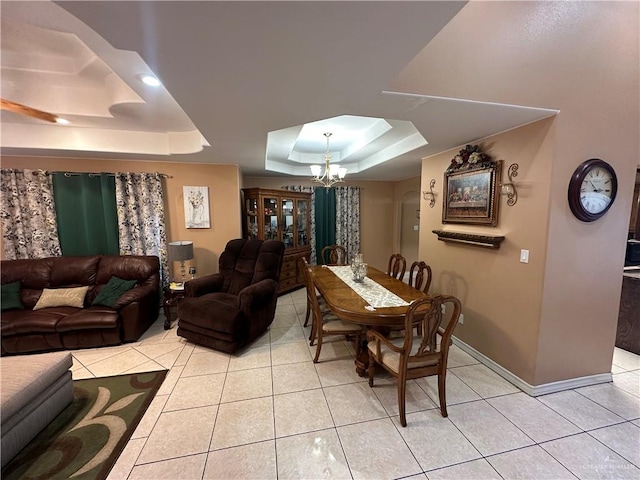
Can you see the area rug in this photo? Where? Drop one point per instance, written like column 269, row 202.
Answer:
column 86, row 438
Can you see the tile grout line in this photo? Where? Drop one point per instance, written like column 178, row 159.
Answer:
column 607, row 446
column 387, row 412
column 273, row 409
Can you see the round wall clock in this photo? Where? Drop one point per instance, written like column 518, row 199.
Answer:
column 592, row 189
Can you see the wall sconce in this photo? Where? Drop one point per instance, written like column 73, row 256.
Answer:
column 509, row 189
column 430, row 195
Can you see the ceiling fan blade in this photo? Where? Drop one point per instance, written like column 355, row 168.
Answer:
column 28, row 111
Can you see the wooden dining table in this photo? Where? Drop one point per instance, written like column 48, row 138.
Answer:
column 345, row 303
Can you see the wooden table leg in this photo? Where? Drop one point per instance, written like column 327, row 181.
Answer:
column 362, row 351
column 362, row 357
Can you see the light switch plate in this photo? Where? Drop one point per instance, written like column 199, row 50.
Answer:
column 524, row 256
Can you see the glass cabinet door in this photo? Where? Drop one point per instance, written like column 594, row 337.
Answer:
column 302, row 221
column 287, row 223
column 252, row 218
column 270, row 219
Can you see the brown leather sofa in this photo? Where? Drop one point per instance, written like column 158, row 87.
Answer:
column 229, row 309
column 67, row 327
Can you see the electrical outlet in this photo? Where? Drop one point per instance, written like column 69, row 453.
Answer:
column 461, row 319
column 524, row 256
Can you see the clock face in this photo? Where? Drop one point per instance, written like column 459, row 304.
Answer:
column 596, row 190
column 592, row 189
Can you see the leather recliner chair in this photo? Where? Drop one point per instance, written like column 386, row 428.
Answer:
column 227, row 310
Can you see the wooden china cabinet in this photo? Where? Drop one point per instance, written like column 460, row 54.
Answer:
column 280, row 215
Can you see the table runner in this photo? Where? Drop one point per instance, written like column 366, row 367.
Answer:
column 373, row 293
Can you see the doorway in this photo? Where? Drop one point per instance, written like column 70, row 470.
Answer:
column 409, row 226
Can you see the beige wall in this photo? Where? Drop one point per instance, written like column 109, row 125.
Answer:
column 224, row 199
column 378, row 202
column 591, row 76
column 501, row 297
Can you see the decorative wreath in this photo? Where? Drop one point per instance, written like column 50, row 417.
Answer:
column 469, row 157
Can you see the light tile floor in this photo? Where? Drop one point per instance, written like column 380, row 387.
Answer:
column 269, row 412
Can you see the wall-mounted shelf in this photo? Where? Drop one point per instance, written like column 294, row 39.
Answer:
column 487, row 241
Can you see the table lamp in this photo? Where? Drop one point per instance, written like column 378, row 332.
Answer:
column 181, row 251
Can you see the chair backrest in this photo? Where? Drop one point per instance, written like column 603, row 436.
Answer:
column 428, row 312
column 245, row 262
column 333, row 255
column 419, row 275
column 397, row 266
column 312, row 298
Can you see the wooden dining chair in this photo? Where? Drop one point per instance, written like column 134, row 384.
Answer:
column 321, row 302
column 419, row 275
column 334, row 255
column 324, row 324
column 397, row 266
column 415, row 356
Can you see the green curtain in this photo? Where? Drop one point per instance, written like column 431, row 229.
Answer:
column 87, row 215
column 325, row 203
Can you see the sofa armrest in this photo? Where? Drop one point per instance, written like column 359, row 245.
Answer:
column 138, row 309
column 256, row 294
column 136, row 294
column 203, row 285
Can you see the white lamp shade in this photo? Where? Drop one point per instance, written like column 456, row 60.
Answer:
column 316, row 170
column 342, row 172
column 333, row 169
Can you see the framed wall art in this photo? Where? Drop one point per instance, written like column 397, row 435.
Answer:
column 471, row 188
column 196, row 207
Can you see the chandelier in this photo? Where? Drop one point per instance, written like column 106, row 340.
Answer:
column 332, row 173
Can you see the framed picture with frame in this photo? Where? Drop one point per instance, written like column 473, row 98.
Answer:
column 471, row 192
column 196, row 207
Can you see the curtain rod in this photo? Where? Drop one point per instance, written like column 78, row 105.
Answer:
column 91, row 174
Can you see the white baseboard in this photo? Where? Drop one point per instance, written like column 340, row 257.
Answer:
column 533, row 390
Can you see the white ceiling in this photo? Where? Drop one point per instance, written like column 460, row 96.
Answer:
column 255, row 80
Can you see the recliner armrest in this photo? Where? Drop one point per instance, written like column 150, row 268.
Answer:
column 203, row 285
column 256, row 293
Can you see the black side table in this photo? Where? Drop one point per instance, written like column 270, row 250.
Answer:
column 171, row 299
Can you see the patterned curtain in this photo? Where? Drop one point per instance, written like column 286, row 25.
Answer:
column 348, row 219
column 298, row 188
column 28, row 214
column 141, row 220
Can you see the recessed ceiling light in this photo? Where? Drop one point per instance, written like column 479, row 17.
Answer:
column 150, row 80
column 62, row 121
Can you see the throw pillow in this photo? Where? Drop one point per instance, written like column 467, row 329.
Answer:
column 62, row 297
column 110, row 293
column 11, row 296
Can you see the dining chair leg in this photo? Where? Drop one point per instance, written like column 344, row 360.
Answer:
column 318, row 348
column 442, row 393
column 312, row 334
column 402, row 389
column 371, row 369
column 308, row 314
